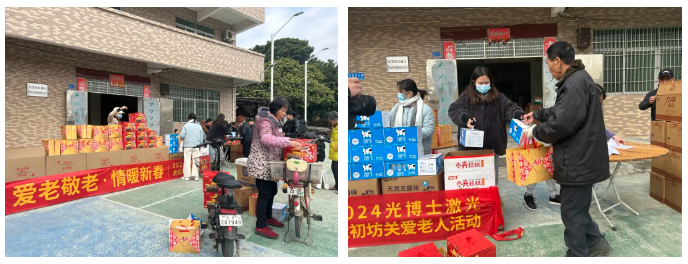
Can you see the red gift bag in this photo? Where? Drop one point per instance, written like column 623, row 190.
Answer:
column 308, row 151
column 470, row 244
column 425, row 250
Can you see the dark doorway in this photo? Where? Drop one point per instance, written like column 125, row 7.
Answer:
column 511, row 77
column 100, row 105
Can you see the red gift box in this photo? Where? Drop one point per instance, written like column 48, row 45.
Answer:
column 137, row 117
column 470, row 244
column 141, row 126
column 424, row 250
column 128, row 144
column 128, row 126
column 142, row 143
column 308, row 151
column 152, row 134
column 141, row 135
column 129, row 135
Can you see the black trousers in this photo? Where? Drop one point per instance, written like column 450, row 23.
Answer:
column 246, row 148
column 266, row 194
column 580, row 232
column 335, row 172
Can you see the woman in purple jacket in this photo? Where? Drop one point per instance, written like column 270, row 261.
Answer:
column 268, row 144
column 610, row 135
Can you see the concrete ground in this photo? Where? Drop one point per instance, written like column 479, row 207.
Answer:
column 134, row 223
column 656, row 232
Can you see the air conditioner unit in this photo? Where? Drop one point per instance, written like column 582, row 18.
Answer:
column 229, row 37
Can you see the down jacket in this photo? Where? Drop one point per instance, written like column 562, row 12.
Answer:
column 268, row 144
column 575, row 128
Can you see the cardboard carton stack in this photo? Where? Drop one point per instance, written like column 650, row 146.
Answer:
column 666, row 176
column 469, row 169
column 236, row 151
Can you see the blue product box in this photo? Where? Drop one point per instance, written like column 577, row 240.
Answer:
column 401, row 168
column 364, row 154
column 365, row 137
column 471, row 138
column 174, row 150
column 364, row 171
column 373, row 121
column 431, row 164
column 279, row 211
column 402, row 135
column 516, row 130
column 408, row 151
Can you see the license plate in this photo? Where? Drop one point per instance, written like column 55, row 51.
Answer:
column 298, row 191
column 231, row 220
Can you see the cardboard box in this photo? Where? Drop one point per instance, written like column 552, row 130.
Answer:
column 159, row 142
column 155, row 155
column 673, row 166
column 132, row 156
column 427, row 183
column 441, row 136
column 366, row 154
column 430, row 164
column 86, row 146
column 366, row 137
column 185, row 236
column 402, row 135
column 279, row 211
column 171, row 138
column 515, row 130
column 24, row 163
column 470, row 243
column 141, row 135
column 471, row 138
column 672, row 194
column 424, row 250
column 673, row 136
column 241, row 196
column 99, row 160
column 657, row 187
column 84, row 131
column 364, row 171
column 152, row 134
column 456, row 162
column 101, row 132
column 51, row 146
column 152, row 143
column 373, row 121
column 469, row 180
column 99, row 145
column 128, row 126
column 69, row 132
column 141, row 126
column 141, row 144
column 68, row 147
column 396, row 152
column 129, row 135
column 252, row 204
column 235, row 148
column 308, row 152
column 114, row 131
column 209, row 198
column 242, row 176
column 659, row 165
column 364, row 187
column 137, row 117
column 176, row 155
column 658, row 133
column 65, row 163
column 173, row 150
column 129, row 144
column 114, row 144
column 233, row 156
column 386, row 120
column 401, row 168
column 668, row 102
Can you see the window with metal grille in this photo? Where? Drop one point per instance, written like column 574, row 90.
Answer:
column 195, row 28
column 204, row 103
column 633, row 57
column 515, row 48
column 103, row 86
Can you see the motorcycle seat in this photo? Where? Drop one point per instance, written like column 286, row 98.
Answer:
column 226, row 181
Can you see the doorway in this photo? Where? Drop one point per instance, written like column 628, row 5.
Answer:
column 100, row 105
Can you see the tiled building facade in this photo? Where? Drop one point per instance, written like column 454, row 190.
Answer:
column 375, row 33
column 47, row 45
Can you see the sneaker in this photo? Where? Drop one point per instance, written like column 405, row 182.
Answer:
column 197, row 178
column 274, row 222
column 184, row 178
column 601, row 248
column 266, row 232
column 530, row 201
column 555, row 200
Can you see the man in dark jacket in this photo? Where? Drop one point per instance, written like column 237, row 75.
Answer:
column 246, row 131
column 359, row 104
column 575, row 128
column 666, row 75
column 292, row 124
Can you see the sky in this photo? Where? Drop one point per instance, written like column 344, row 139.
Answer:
column 318, row 25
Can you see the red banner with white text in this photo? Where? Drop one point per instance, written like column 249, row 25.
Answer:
column 55, row 189
column 421, row 216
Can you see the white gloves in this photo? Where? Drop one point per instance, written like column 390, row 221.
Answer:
column 529, row 132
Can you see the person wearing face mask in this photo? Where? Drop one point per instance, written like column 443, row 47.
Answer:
column 610, row 135
column 574, row 126
column 411, row 111
column 116, row 115
column 483, row 107
column 665, row 75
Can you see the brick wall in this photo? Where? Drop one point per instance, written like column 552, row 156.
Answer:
column 30, row 119
column 168, row 16
column 378, row 32
column 257, row 13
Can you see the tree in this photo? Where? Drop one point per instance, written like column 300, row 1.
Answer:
column 297, row 49
column 289, row 82
column 329, row 69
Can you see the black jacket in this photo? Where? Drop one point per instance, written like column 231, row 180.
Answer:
column 493, row 118
column 362, row 105
column 246, row 133
column 290, row 127
column 217, row 130
column 645, row 104
column 575, row 128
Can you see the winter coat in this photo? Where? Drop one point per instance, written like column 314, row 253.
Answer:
column 334, row 141
column 492, row 118
column 246, row 132
column 575, row 128
column 645, row 104
column 609, row 134
column 360, row 106
column 192, row 134
column 218, row 130
column 268, row 144
column 427, row 128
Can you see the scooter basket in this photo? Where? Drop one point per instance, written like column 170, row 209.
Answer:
column 278, row 169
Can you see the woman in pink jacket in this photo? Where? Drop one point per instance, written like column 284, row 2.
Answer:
column 268, row 144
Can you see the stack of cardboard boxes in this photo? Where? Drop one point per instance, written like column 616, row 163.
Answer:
column 442, row 134
column 236, row 151
column 666, row 176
